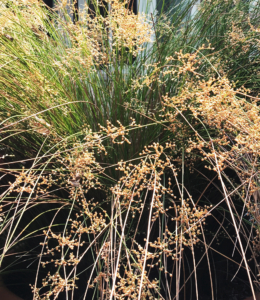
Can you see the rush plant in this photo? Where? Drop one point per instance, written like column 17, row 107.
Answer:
column 128, row 142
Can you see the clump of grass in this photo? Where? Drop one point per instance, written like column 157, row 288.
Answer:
column 108, row 130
